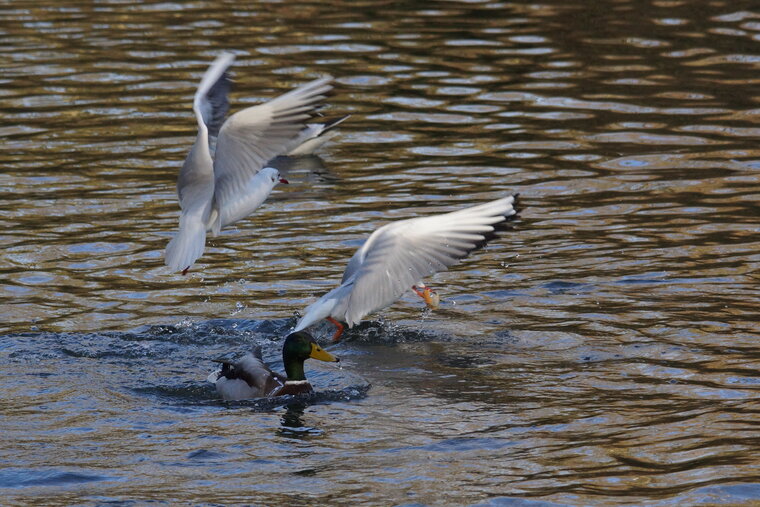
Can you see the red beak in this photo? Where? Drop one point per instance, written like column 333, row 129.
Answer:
column 283, row 180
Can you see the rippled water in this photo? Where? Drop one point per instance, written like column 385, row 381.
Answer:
column 603, row 352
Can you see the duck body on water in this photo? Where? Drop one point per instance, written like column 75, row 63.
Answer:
column 251, row 378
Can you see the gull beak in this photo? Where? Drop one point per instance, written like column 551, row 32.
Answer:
column 283, row 180
column 318, row 352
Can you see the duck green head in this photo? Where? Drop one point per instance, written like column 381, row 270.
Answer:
column 299, row 347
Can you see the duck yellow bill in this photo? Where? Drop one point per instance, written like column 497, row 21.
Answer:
column 318, row 352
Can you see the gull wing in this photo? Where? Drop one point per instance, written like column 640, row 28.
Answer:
column 313, row 136
column 401, row 253
column 253, row 136
column 195, row 184
column 210, row 103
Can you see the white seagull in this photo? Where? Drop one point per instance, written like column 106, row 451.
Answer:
column 399, row 254
column 217, row 192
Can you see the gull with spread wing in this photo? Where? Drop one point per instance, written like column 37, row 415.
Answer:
column 217, row 192
column 399, row 254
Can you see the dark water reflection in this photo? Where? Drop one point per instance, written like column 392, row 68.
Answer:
column 604, row 352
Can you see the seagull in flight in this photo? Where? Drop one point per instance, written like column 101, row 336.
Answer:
column 216, row 192
column 398, row 254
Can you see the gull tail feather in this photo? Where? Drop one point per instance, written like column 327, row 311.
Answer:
column 185, row 248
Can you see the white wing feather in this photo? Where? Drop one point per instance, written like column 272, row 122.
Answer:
column 399, row 254
column 253, row 136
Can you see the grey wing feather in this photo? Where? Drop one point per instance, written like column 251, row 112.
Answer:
column 254, row 370
column 253, row 136
column 210, row 102
column 313, row 136
column 354, row 263
column 217, row 102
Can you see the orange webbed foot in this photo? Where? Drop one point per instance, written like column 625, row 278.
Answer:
column 432, row 300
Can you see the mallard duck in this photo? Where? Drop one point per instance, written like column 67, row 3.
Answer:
column 399, row 254
column 251, row 378
column 214, row 193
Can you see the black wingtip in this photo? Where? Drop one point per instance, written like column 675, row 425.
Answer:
column 516, row 205
column 500, row 227
column 333, row 122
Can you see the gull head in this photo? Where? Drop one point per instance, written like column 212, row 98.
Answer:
column 432, row 299
column 274, row 175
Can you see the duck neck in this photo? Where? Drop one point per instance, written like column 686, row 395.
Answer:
column 294, row 368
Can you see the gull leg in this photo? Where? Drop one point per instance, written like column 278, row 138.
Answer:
column 184, row 271
column 420, row 293
column 339, row 331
